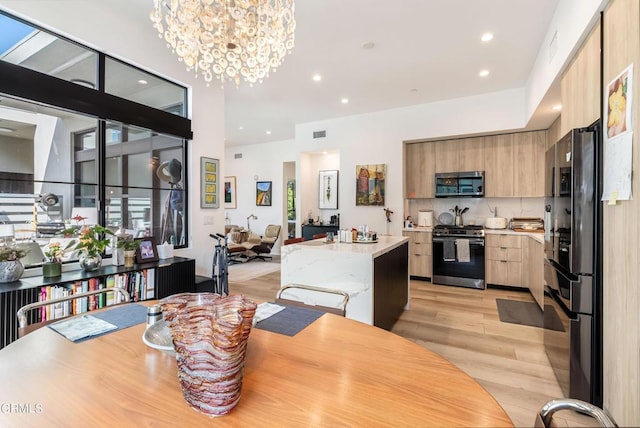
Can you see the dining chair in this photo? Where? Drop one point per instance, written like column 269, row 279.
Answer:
column 545, row 414
column 24, row 327
column 319, row 235
column 284, row 298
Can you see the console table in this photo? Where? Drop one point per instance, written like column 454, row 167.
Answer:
column 308, row 230
column 174, row 275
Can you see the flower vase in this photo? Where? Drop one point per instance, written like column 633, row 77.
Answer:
column 51, row 269
column 129, row 258
column 211, row 380
column 11, row 270
column 90, row 263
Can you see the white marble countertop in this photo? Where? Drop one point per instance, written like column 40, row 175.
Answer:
column 375, row 249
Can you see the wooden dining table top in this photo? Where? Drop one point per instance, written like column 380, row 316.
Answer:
column 335, row 372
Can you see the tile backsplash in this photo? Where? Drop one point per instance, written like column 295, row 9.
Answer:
column 479, row 208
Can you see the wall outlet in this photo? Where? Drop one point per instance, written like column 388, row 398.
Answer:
column 208, row 220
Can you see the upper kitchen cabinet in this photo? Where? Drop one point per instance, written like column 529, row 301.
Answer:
column 514, row 164
column 463, row 154
column 580, row 86
column 471, row 154
column 529, row 149
column 499, row 165
column 446, row 156
column 419, row 161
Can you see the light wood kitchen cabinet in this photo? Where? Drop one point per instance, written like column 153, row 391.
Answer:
column 503, row 260
column 514, row 164
column 529, row 149
column 533, row 268
column 463, row 154
column 446, row 156
column 420, row 253
column 471, row 154
column 419, row 161
column 499, row 165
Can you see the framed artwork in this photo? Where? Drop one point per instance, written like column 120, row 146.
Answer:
column 328, row 190
column 370, row 184
column 263, row 193
column 209, row 183
column 230, row 192
column 147, row 251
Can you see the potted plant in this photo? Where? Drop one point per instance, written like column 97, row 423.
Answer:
column 10, row 266
column 53, row 266
column 129, row 246
column 91, row 245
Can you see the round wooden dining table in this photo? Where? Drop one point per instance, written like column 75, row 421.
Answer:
column 335, row 372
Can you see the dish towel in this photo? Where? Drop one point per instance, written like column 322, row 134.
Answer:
column 449, row 250
column 463, row 250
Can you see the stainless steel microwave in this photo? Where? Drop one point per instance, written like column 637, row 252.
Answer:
column 457, row 184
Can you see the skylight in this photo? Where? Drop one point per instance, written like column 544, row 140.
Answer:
column 12, row 32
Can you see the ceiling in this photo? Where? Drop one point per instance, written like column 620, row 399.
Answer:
column 423, row 51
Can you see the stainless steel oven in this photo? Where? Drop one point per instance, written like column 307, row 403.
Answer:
column 458, row 256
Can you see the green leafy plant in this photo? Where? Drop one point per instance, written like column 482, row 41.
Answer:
column 54, row 252
column 10, row 253
column 128, row 244
column 92, row 240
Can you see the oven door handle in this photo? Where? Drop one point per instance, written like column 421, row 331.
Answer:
column 472, row 241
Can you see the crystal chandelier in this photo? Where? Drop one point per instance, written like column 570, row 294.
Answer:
column 228, row 39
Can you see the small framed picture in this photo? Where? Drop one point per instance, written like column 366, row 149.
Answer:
column 147, row 251
column 209, row 183
column 263, row 193
column 328, row 190
column 230, row 192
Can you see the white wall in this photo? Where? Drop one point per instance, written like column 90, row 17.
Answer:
column 134, row 40
column 17, row 155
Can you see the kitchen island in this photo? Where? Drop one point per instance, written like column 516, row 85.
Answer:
column 375, row 275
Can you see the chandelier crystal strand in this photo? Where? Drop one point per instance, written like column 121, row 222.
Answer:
column 228, row 39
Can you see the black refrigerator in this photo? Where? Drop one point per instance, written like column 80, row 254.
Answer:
column 573, row 263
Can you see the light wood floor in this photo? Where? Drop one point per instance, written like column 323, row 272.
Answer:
column 462, row 325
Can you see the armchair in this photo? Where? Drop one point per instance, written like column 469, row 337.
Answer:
column 267, row 241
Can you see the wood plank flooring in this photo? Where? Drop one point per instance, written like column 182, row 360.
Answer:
column 463, row 326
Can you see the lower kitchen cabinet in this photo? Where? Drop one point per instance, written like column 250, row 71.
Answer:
column 533, row 273
column 420, row 254
column 503, row 260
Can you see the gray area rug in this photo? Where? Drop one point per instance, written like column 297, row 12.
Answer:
column 527, row 313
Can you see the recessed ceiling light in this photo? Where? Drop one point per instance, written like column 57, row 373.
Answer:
column 486, row 37
column 557, row 107
column 142, row 82
column 3, row 129
column 483, row 73
column 240, row 127
column 268, row 132
column 317, row 77
column 345, row 101
column 368, row 45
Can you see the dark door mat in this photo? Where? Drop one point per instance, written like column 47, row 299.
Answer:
column 528, row 313
column 290, row 320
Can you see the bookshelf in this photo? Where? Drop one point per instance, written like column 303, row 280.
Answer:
column 145, row 281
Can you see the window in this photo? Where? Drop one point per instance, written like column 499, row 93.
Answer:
column 88, row 153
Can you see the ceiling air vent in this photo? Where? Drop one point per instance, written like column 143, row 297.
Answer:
column 237, row 156
column 319, row 134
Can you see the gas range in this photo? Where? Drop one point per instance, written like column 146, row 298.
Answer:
column 458, row 231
